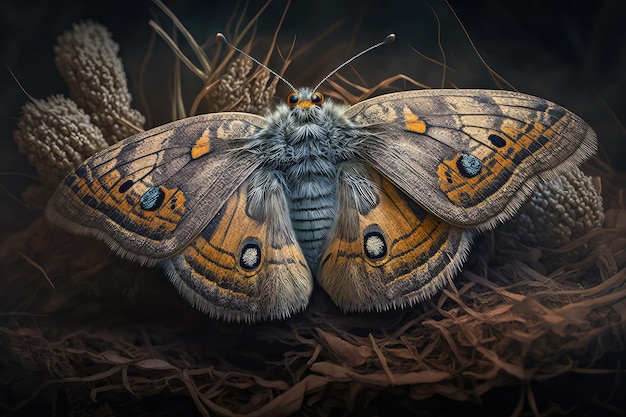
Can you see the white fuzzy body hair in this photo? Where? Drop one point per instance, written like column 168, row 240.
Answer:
column 305, row 147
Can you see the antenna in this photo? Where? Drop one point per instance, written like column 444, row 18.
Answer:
column 221, row 38
column 388, row 40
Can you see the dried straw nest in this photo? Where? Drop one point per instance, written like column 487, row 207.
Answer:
column 84, row 333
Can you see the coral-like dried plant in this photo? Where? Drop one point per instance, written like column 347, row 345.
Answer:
column 559, row 211
column 229, row 83
column 56, row 135
column 59, row 133
column 235, row 91
column 87, row 58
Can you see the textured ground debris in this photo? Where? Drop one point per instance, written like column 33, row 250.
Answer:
column 111, row 335
column 503, row 324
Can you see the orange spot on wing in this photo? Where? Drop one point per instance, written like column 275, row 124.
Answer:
column 522, row 140
column 201, row 147
column 413, row 122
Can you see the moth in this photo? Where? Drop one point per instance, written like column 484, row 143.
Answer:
column 378, row 201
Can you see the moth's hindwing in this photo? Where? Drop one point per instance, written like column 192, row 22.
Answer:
column 385, row 250
column 149, row 195
column 470, row 156
column 246, row 265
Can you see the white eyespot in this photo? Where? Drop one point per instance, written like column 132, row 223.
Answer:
column 250, row 256
column 375, row 246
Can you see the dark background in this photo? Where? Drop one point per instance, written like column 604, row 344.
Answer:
column 571, row 52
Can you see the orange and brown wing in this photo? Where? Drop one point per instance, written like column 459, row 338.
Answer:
column 246, row 265
column 385, row 250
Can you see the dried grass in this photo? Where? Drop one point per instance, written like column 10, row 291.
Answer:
column 109, row 327
column 112, row 338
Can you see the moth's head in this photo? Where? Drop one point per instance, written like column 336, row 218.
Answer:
column 305, row 98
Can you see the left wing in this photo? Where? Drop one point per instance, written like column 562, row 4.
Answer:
column 151, row 194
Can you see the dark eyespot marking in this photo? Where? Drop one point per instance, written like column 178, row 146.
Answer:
column 250, row 256
column 374, row 245
column 126, row 186
column 152, row 199
column 469, row 166
column 497, row 141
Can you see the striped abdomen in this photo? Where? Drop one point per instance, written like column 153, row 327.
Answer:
column 313, row 214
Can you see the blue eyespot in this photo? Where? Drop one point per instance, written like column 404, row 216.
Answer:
column 152, row 199
column 469, row 166
column 293, row 99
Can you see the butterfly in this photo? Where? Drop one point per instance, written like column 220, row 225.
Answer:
column 378, row 202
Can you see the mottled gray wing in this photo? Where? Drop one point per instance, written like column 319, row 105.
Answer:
column 148, row 196
column 471, row 157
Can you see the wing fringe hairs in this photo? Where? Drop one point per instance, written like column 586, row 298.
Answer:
column 505, row 322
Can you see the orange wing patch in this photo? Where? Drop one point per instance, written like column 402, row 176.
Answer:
column 499, row 155
column 413, row 122
column 393, row 255
column 152, row 212
column 242, row 268
column 212, row 258
column 201, row 147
